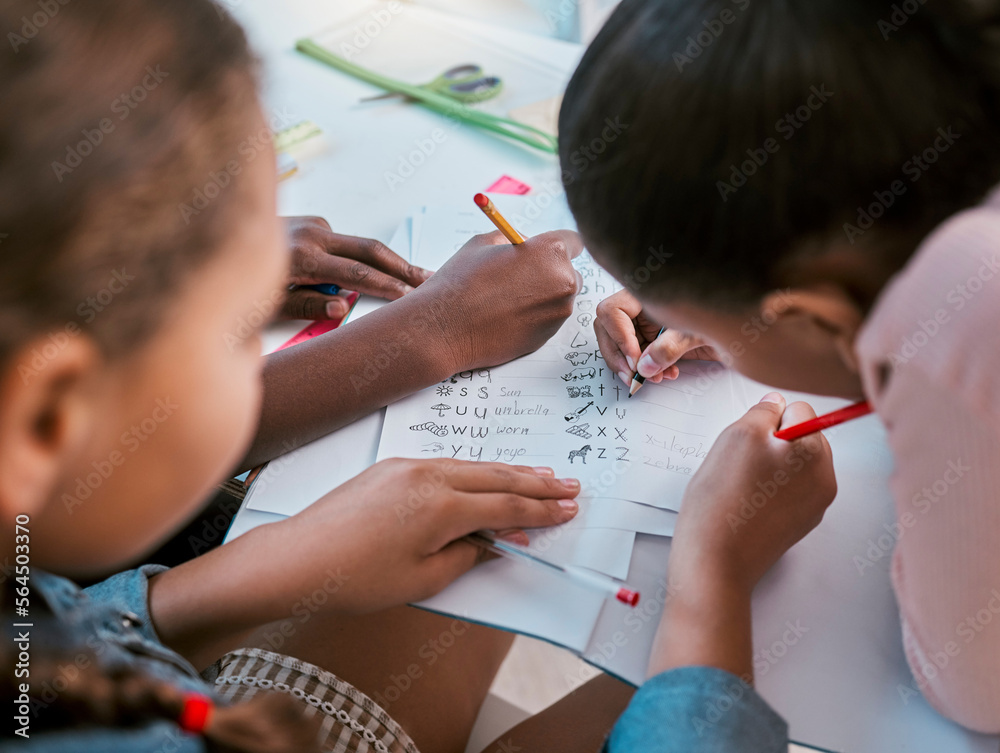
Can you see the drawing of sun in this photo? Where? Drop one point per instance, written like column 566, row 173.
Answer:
column 445, row 389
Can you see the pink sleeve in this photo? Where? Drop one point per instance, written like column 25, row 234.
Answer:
column 946, row 568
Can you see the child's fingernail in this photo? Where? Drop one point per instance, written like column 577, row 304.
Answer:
column 569, row 505
column 570, row 483
column 515, row 537
column 407, row 289
column 647, row 366
column 772, row 397
column 624, row 377
column 542, row 470
column 631, row 363
column 336, row 309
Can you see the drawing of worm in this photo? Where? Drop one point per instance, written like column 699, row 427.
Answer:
column 433, row 428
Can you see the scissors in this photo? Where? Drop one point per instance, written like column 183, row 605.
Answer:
column 463, row 83
column 439, row 101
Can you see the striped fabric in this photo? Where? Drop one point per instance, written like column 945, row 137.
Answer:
column 351, row 721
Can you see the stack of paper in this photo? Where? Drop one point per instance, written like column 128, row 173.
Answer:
column 562, row 407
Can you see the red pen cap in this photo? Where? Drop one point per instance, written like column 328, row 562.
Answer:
column 627, row 596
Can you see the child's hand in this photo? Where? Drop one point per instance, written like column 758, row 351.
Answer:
column 627, row 337
column 389, row 536
column 751, row 500
column 322, row 256
column 505, row 300
column 393, row 533
column 755, row 495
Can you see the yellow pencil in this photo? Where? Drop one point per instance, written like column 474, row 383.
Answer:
column 484, row 203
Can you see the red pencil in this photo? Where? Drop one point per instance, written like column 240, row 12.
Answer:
column 824, row 422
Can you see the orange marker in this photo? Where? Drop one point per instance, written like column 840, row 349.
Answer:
column 824, row 422
column 484, row 203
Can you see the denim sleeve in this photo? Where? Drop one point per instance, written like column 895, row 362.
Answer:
column 129, row 592
column 698, row 710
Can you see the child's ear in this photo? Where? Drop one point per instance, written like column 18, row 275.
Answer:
column 826, row 307
column 46, row 416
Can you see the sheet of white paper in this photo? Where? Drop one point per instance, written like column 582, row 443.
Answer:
column 606, row 512
column 606, row 550
column 560, row 406
column 292, row 482
column 445, row 229
column 523, row 598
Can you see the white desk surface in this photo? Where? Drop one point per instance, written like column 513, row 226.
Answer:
column 346, row 183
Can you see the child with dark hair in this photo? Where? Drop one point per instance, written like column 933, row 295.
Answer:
column 804, row 190
column 149, row 398
column 126, row 371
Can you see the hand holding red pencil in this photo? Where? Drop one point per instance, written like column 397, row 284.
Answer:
column 753, row 498
column 755, row 495
column 824, row 422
